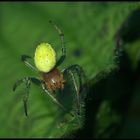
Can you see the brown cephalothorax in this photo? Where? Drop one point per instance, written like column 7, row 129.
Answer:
column 53, row 79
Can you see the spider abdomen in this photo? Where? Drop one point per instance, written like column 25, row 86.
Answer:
column 45, row 57
column 53, row 79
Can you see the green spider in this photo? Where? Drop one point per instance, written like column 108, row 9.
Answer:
column 52, row 78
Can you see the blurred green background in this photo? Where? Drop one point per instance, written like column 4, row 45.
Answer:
column 89, row 29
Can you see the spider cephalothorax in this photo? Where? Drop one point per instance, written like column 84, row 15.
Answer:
column 52, row 78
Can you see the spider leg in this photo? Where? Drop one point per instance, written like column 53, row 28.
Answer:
column 61, row 34
column 79, row 71
column 81, row 75
column 76, row 88
column 24, row 59
column 26, row 95
column 52, row 97
column 27, row 81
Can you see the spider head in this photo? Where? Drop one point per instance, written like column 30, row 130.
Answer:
column 45, row 57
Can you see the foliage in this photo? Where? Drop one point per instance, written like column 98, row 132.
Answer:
column 89, row 30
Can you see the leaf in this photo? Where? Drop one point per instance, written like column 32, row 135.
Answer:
column 88, row 28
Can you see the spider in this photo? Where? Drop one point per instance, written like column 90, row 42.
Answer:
column 52, row 78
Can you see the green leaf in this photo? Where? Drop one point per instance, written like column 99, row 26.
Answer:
column 89, row 30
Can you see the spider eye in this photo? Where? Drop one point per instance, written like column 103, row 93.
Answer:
column 45, row 57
